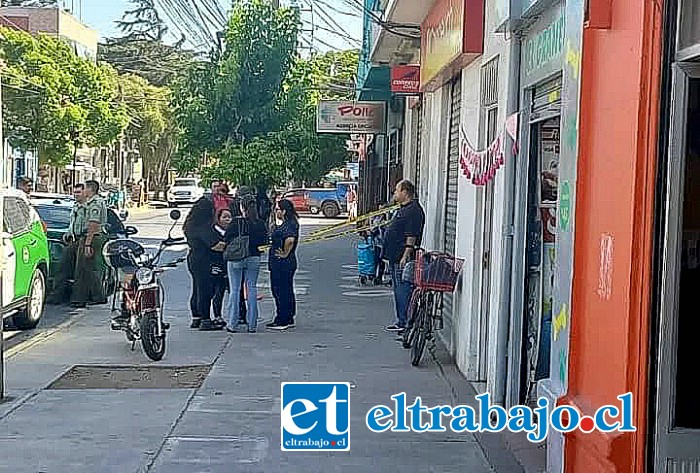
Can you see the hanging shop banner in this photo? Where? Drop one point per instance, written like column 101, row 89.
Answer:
column 351, row 117
column 405, row 79
column 452, row 36
column 480, row 166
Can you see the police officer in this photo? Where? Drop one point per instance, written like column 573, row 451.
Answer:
column 88, row 288
column 76, row 228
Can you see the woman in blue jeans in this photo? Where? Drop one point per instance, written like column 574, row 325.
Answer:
column 248, row 269
column 282, row 263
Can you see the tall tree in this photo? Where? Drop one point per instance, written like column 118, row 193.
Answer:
column 142, row 22
column 56, row 100
column 228, row 105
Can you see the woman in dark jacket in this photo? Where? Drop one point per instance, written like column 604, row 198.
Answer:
column 202, row 241
column 246, row 270
column 218, row 265
column 282, row 263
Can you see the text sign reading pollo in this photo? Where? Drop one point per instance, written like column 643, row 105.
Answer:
column 351, row 117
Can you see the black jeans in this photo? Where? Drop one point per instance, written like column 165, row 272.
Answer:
column 282, row 282
column 220, row 286
column 202, row 287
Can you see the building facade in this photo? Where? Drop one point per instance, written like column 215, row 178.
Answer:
column 552, row 143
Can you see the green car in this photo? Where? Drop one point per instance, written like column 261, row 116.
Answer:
column 56, row 217
column 24, row 261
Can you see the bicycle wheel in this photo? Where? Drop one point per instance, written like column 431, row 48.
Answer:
column 423, row 324
column 409, row 334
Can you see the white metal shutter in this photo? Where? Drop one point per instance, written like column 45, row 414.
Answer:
column 453, row 168
column 546, row 100
column 419, row 142
column 452, row 189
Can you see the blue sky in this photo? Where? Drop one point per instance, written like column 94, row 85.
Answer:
column 101, row 14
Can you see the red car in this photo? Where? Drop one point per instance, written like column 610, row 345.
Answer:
column 299, row 198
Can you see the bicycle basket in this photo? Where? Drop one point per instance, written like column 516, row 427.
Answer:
column 437, row 271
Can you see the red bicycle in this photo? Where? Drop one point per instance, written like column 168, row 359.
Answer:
column 434, row 274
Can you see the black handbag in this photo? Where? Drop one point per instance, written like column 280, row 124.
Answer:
column 238, row 248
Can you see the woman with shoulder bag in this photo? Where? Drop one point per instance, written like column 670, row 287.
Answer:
column 218, row 265
column 244, row 237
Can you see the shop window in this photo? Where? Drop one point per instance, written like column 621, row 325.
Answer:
column 689, row 24
column 687, row 413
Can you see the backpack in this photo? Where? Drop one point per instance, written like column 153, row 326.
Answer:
column 238, row 248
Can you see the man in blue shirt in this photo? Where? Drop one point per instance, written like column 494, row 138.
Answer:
column 402, row 237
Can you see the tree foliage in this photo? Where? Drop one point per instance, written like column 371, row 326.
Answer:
column 55, row 100
column 252, row 108
column 150, row 124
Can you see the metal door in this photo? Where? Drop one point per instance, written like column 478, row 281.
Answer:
column 676, row 447
column 452, row 188
column 419, row 142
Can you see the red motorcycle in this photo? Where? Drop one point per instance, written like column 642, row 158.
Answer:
column 137, row 279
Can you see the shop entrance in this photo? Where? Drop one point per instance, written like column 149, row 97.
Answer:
column 677, row 432
column 540, row 257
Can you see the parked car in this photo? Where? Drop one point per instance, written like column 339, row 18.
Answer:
column 185, row 190
column 56, row 217
column 26, row 260
column 299, row 198
column 39, row 197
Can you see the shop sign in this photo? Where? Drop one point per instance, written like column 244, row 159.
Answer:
column 565, row 205
column 545, row 46
column 351, row 117
column 451, row 34
column 405, row 79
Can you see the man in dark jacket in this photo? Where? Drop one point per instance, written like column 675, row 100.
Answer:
column 403, row 236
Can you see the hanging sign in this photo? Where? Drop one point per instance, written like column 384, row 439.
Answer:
column 405, row 79
column 480, row 166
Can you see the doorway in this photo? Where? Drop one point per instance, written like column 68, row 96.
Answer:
column 677, row 434
column 543, row 176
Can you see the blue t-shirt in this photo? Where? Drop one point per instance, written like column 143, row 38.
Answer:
column 289, row 229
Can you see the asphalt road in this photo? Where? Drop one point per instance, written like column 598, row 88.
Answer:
column 153, row 227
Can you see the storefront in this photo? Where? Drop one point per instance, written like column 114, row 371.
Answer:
column 451, row 39
column 536, row 203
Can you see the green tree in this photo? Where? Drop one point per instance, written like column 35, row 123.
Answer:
column 150, row 124
column 226, row 102
column 56, row 100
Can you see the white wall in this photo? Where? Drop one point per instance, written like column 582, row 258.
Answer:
column 465, row 307
column 496, row 44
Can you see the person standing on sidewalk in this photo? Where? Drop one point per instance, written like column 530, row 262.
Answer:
column 282, row 262
column 89, row 288
column 76, row 229
column 403, row 235
column 218, row 266
column 247, row 270
column 202, row 241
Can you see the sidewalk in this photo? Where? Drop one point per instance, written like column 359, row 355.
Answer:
column 232, row 422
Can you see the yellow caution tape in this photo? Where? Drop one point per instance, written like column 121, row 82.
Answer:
column 322, row 236
column 359, row 218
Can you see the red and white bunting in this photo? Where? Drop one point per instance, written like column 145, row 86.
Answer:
column 481, row 166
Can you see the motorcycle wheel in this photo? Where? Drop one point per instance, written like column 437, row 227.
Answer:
column 153, row 345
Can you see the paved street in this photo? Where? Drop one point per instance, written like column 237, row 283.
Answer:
column 111, row 421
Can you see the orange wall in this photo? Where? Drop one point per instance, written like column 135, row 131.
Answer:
column 614, row 199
